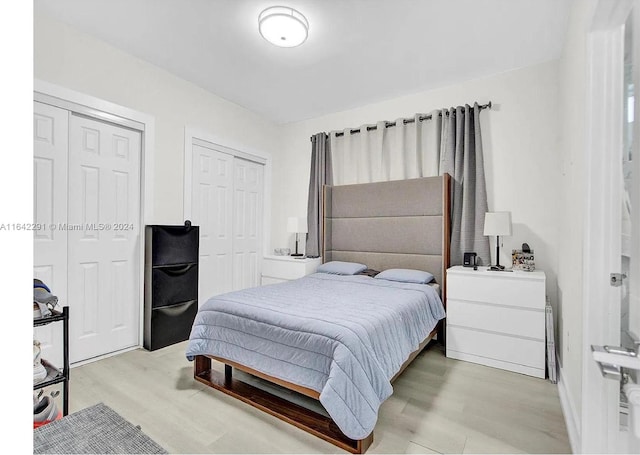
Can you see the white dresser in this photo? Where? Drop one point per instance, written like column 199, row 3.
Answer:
column 497, row 318
column 276, row 269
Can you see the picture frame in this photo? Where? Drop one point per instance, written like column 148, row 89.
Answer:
column 523, row 261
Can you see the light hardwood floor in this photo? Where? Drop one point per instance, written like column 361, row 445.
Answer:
column 439, row 405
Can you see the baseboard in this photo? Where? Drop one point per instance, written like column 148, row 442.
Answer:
column 103, row 356
column 510, row 366
column 570, row 414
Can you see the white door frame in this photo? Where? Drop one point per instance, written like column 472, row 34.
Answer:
column 48, row 93
column 602, row 223
column 194, row 134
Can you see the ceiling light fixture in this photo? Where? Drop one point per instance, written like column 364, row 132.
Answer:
column 283, row 26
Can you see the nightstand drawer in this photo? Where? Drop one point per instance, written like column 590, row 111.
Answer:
column 511, row 321
column 285, row 270
column 496, row 288
column 268, row 280
column 276, row 269
column 505, row 348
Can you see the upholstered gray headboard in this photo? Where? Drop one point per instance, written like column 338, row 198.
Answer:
column 396, row 224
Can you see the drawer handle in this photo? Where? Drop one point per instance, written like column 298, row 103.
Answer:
column 177, row 309
column 177, row 270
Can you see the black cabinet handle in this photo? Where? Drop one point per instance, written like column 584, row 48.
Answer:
column 175, row 310
column 177, row 270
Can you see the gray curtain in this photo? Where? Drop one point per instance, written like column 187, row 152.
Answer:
column 321, row 174
column 461, row 157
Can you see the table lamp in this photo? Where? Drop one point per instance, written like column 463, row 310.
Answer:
column 297, row 226
column 497, row 223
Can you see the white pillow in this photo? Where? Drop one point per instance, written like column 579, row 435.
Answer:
column 341, row 268
column 405, row 276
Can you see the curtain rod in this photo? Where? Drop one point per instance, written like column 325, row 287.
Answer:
column 406, row 120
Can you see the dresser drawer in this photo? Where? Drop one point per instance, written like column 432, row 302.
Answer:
column 173, row 284
column 499, row 347
column 173, row 244
column 170, row 324
column 495, row 288
column 512, row 321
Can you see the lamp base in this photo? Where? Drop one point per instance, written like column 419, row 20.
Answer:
column 297, row 255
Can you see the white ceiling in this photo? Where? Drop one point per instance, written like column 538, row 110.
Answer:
column 358, row 51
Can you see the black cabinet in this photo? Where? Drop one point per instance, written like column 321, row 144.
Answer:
column 170, row 284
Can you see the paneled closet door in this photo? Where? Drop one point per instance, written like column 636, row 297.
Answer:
column 50, row 145
column 103, row 245
column 247, row 224
column 212, row 210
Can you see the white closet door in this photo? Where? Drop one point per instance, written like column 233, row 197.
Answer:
column 50, row 145
column 212, row 205
column 247, row 223
column 103, row 246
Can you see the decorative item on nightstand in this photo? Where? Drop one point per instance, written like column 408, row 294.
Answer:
column 469, row 259
column 297, row 226
column 497, row 223
column 523, row 259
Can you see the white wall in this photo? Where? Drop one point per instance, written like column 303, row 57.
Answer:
column 520, row 139
column 69, row 58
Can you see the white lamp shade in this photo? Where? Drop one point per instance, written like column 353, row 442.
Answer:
column 283, row 26
column 297, row 225
column 497, row 223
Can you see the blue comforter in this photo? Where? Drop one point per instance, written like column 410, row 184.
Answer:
column 343, row 336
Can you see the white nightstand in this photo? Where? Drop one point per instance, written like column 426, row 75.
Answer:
column 497, row 318
column 276, row 269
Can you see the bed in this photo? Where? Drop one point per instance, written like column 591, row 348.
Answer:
column 339, row 339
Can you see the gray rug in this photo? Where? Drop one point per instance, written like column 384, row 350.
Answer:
column 96, row 429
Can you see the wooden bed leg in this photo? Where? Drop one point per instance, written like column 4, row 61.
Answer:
column 201, row 364
column 228, row 374
column 363, row 444
column 442, row 333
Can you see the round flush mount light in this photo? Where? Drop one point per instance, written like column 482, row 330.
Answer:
column 283, row 26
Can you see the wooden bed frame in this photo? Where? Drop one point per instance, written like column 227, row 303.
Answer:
column 308, row 420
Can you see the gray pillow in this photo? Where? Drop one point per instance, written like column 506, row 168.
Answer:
column 406, row 276
column 341, row 268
